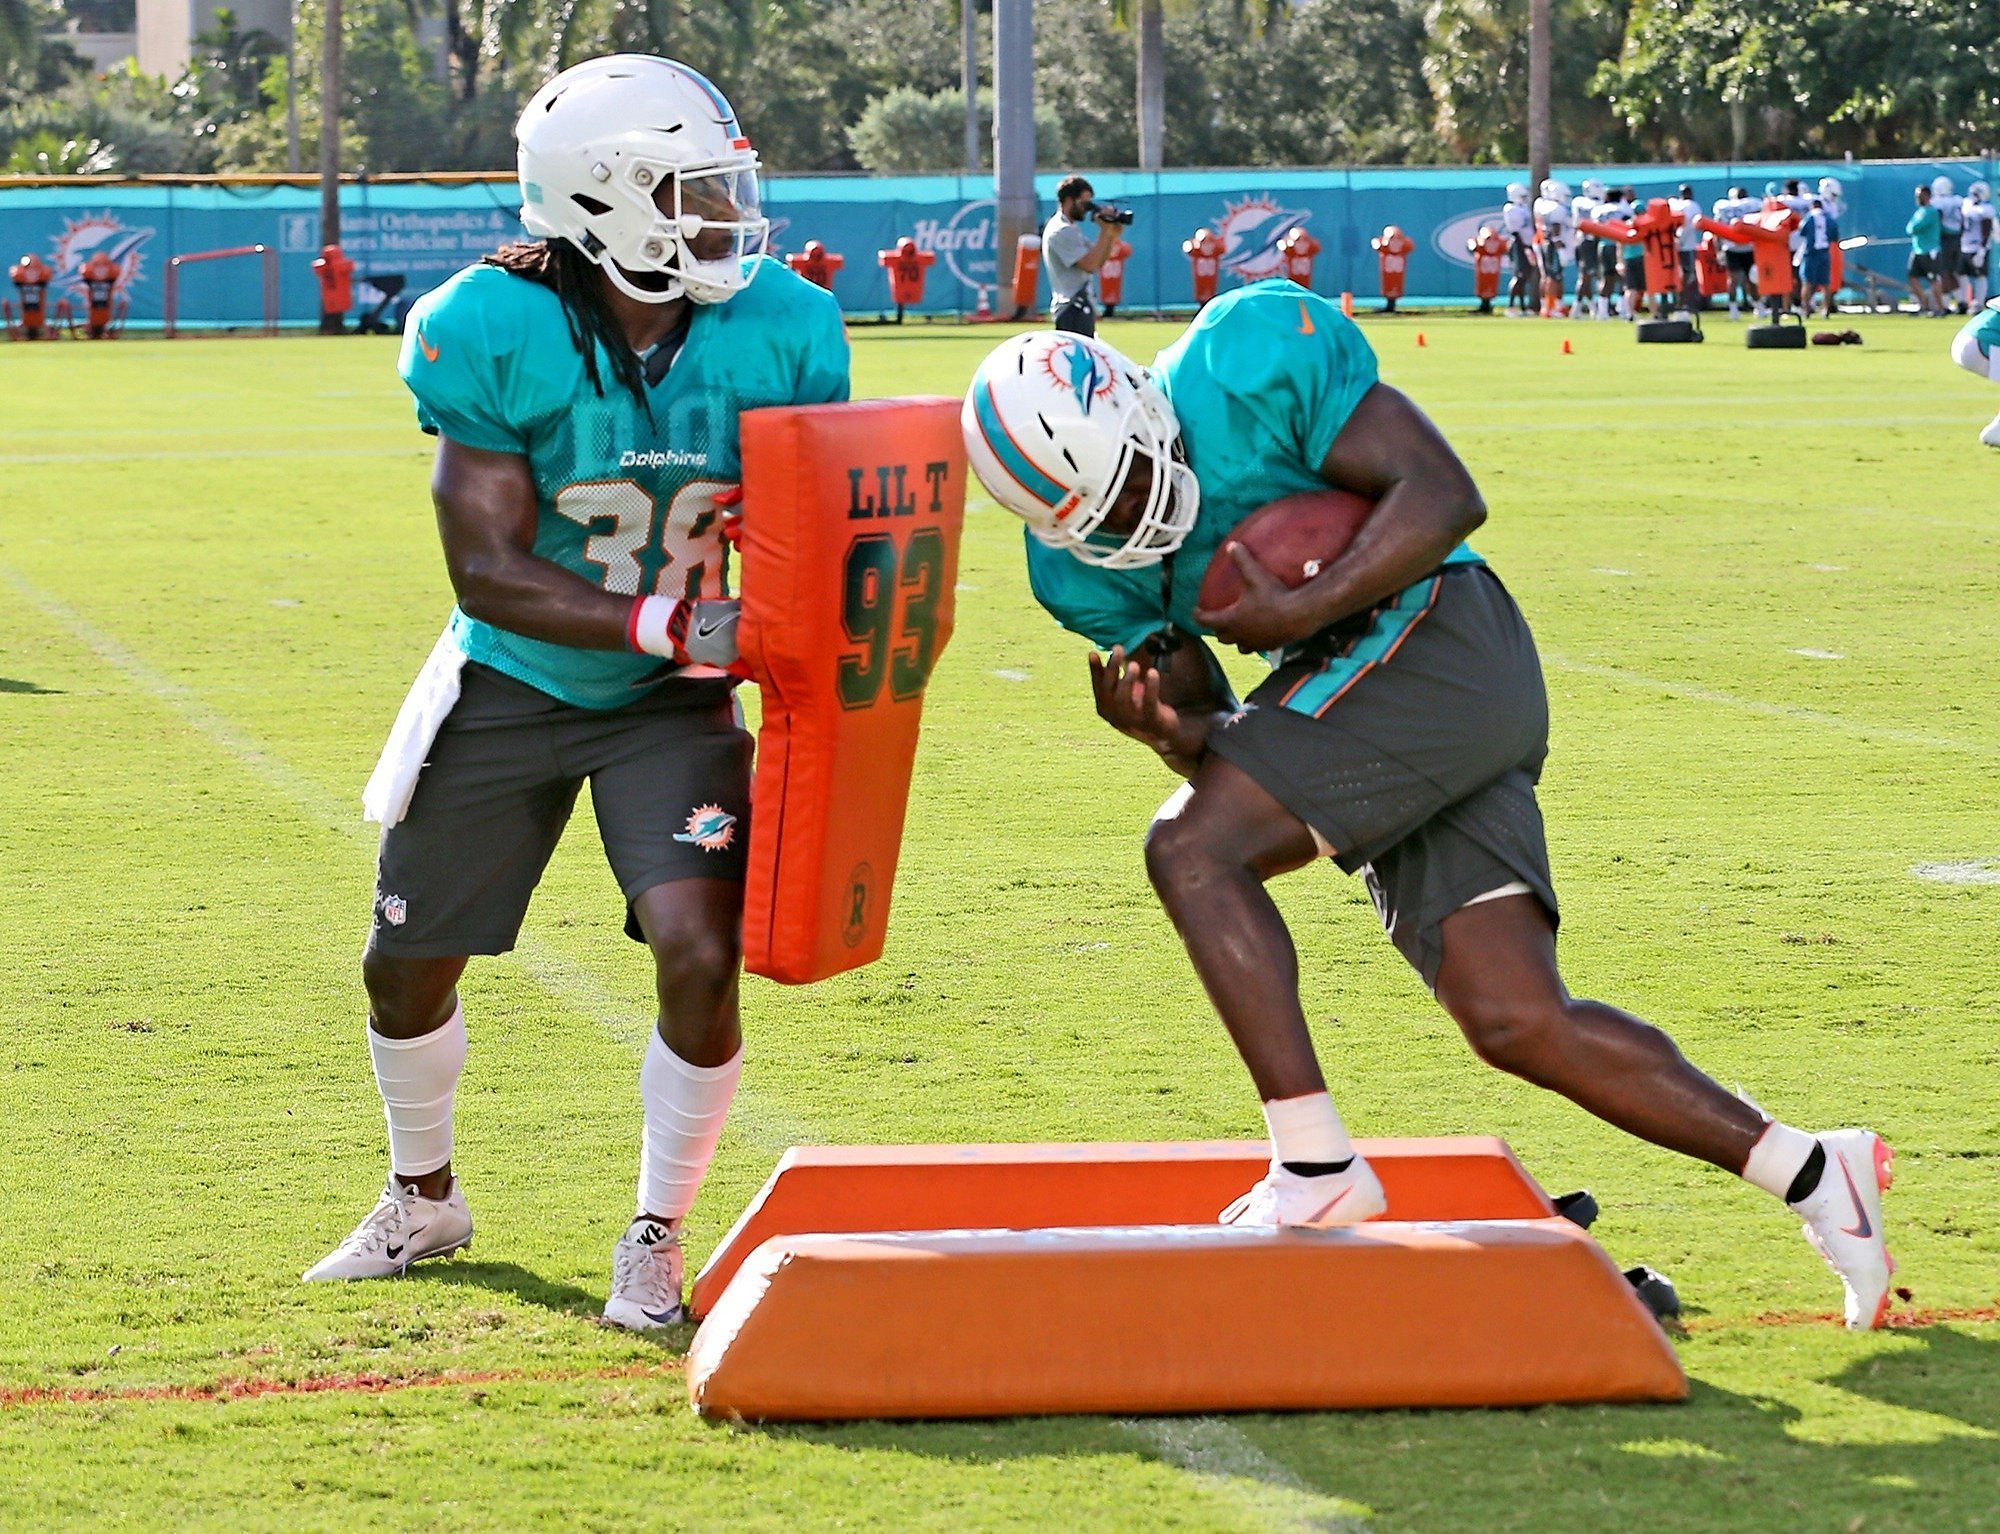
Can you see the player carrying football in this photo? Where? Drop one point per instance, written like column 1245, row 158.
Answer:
column 584, row 389
column 1401, row 733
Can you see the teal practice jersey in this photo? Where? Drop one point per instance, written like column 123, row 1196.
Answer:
column 1984, row 328
column 1262, row 381
column 626, row 491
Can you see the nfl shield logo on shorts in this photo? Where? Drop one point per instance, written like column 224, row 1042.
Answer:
column 395, row 910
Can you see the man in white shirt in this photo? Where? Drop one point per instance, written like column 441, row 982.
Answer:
column 1688, row 210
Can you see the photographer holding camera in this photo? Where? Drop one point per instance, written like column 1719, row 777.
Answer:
column 1072, row 257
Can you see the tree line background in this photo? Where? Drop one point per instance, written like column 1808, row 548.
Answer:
column 847, row 85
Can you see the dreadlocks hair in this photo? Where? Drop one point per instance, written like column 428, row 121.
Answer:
column 571, row 275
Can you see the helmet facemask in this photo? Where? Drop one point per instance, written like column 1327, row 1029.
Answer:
column 1150, row 431
column 697, row 250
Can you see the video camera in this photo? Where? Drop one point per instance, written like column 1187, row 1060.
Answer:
column 1104, row 213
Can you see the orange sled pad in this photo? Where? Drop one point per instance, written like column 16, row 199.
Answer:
column 1153, row 1318
column 838, row 1188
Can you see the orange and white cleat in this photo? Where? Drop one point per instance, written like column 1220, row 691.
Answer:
column 1843, row 1218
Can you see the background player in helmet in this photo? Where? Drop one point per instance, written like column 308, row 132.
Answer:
column 1614, row 207
column 1517, row 222
column 1585, row 205
column 1975, row 244
column 585, row 389
column 1951, row 228
column 1738, row 260
column 1401, row 733
column 1554, row 232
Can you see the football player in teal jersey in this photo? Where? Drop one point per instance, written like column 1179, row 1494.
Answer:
column 585, row 389
column 1401, row 734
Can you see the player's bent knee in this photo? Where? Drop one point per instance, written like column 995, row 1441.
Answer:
column 695, row 956
column 1178, row 860
column 1519, row 1035
column 408, row 998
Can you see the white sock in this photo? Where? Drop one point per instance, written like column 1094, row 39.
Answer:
column 417, row 1078
column 1778, row 1156
column 685, row 1106
column 1306, row 1128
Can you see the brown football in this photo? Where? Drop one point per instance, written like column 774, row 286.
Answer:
column 1294, row 538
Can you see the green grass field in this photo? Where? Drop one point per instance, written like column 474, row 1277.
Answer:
column 1767, row 590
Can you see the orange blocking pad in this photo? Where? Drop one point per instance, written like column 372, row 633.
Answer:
column 1152, row 1319
column 839, row 1188
column 849, row 558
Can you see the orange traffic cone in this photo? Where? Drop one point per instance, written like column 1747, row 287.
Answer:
column 1420, row 338
column 1566, row 351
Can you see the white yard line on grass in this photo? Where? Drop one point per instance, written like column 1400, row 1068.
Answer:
column 1266, row 1493
column 1886, row 734
column 218, row 455
column 1228, row 1464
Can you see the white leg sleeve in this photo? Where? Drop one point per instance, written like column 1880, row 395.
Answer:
column 685, row 1106
column 417, row 1078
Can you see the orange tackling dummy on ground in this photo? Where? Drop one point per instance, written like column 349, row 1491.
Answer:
column 1204, row 252
column 945, row 1281
column 849, row 550
column 816, row 264
column 1392, row 250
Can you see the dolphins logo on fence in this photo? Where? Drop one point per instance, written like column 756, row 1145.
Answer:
column 1251, row 230
column 81, row 238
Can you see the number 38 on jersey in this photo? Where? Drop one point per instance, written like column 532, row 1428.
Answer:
column 628, row 537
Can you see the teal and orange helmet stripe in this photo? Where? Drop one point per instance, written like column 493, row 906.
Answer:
column 1001, row 444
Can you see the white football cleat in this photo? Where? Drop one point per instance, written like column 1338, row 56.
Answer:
column 645, row 1276
column 1991, row 436
column 1843, row 1218
column 1285, row 1198
column 404, row 1227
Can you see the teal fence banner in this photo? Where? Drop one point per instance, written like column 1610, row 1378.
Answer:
column 424, row 231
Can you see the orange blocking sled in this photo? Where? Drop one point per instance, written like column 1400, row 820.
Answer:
column 1147, row 1319
column 846, row 1188
column 849, row 557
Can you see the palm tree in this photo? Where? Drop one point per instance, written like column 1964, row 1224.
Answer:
column 1258, row 15
column 20, row 32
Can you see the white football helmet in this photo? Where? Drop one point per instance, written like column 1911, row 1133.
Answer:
column 1054, row 423
column 1979, row 191
column 1517, row 191
column 1828, row 187
column 1555, row 191
column 1941, row 186
column 1592, row 187
column 640, row 163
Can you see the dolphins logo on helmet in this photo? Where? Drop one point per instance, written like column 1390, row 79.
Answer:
column 1054, row 425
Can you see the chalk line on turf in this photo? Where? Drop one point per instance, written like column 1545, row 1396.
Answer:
column 1267, row 1493
column 1886, row 734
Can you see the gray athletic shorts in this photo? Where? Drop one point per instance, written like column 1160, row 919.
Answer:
column 1411, row 745
column 669, row 779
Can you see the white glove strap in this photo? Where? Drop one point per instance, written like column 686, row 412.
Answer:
column 647, row 628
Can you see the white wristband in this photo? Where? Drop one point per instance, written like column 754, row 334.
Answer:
column 648, row 627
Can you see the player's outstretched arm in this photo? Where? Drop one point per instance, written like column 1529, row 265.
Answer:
column 1168, row 695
